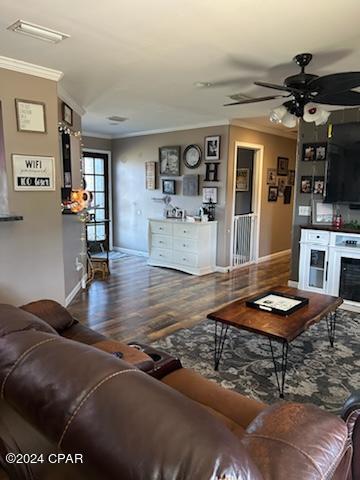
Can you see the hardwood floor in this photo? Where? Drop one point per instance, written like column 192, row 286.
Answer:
column 143, row 303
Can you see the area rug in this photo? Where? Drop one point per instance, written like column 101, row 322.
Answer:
column 316, row 372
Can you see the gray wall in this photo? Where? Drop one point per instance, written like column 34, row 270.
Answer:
column 309, row 133
column 133, row 204
column 97, row 143
column 31, row 253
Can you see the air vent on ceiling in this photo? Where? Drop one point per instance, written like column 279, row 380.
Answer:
column 36, row 31
column 116, row 118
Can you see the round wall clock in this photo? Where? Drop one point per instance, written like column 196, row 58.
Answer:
column 192, row 156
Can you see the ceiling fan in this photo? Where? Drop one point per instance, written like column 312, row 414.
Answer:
column 305, row 91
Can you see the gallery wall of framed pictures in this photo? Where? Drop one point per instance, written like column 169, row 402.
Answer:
column 280, row 181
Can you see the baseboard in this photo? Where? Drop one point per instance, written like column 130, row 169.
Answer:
column 130, row 251
column 272, row 256
column 293, row 284
column 223, row 269
column 74, row 291
column 350, row 306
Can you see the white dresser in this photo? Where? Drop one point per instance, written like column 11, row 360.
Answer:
column 186, row 246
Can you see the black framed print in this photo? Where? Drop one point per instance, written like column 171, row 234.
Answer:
column 169, row 159
column 314, row 152
column 318, row 186
column 306, row 184
column 212, row 148
column 67, row 114
column 273, row 194
column 168, row 187
column 283, row 166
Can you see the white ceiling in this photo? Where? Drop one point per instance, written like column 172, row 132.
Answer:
column 139, row 59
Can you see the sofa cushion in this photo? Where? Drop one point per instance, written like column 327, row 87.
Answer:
column 52, row 313
column 12, row 319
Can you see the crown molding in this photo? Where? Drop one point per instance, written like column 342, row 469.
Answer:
column 30, row 69
column 69, row 100
column 263, row 129
column 95, row 135
column 215, row 123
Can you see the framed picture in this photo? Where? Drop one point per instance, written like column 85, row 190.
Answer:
column 33, row 173
column 169, row 158
column 322, row 213
column 67, row 114
column 168, row 187
column 306, row 184
column 273, row 194
column 282, row 166
column 30, row 116
column 287, row 194
column 281, row 186
column 192, row 156
column 150, row 175
column 319, row 185
column 212, row 148
column 209, row 194
column 291, row 177
column 242, row 180
column 191, row 185
column 314, row 152
column 271, row 176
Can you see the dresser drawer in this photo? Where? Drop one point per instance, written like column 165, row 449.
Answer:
column 188, row 259
column 186, row 244
column 161, row 241
column 189, row 231
column 317, row 236
column 162, row 254
column 161, row 228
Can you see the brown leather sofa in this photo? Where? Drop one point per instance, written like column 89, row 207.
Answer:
column 144, row 417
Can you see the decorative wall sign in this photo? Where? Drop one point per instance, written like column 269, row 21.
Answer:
column 169, row 158
column 242, row 180
column 314, row 152
column 67, row 114
column 192, row 156
column 211, row 174
column 273, row 194
column 33, row 173
column 30, row 116
column 282, row 166
column 150, row 175
column 212, row 148
column 287, row 194
column 306, row 184
column 271, row 176
column 209, row 194
column 191, row 185
column 168, row 187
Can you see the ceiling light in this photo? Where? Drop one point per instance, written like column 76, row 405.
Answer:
column 277, row 114
column 202, row 84
column 289, row 120
column 36, row 31
column 315, row 113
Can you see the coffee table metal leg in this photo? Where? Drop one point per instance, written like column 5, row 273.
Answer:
column 280, row 373
column 220, row 338
column 331, row 324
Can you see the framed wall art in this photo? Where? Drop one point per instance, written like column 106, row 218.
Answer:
column 191, row 185
column 67, row 114
column 192, row 156
column 291, row 177
column 30, row 116
column 271, row 176
column 242, row 179
column 282, row 166
column 319, row 183
column 306, row 184
column 322, row 213
column 209, row 194
column 168, row 187
column 169, row 158
column 212, row 148
column 287, row 194
column 281, row 186
column 150, row 175
column 33, row 173
column 314, row 152
column 273, row 194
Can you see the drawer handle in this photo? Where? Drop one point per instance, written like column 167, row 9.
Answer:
column 160, row 255
column 184, row 259
column 317, row 236
column 185, row 231
column 160, row 241
column 184, row 245
column 161, row 228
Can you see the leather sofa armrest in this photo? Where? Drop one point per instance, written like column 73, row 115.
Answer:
column 351, row 415
column 289, row 441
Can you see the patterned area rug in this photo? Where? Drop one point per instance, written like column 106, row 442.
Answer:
column 316, row 372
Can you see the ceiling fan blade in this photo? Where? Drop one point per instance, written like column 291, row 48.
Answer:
column 342, row 98
column 336, row 82
column 255, row 100
column 273, row 86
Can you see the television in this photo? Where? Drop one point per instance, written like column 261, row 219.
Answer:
column 343, row 164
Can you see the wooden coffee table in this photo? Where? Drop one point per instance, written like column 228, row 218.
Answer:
column 275, row 327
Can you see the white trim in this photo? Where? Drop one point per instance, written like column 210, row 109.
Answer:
column 95, row 135
column 256, row 195
column 75, row 290
column 262, row 128
column 30, row 69
column 223, row 269
column 273, row 256
column 130, row 251
column 293, row 284
column 215, row 123
column 68, row 99
column 350, row 306
column 111, row 228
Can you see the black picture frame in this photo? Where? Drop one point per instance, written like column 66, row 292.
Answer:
column 287, row 194
column 168, row 186
column 186, row 153
column 282, row 166
column 169, row 160
column 319, row 185
column 67, row 114
column 273, row 194
column 306, row 184
column 284, row 313
column 212, row 148
column 314, row 152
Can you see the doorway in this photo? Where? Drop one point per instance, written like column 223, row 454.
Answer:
column 247, row 186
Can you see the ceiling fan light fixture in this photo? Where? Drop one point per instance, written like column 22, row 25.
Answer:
column 289, row 120
column 315, row 113
column 277, row 114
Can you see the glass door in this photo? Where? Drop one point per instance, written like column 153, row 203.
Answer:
column 317, row 268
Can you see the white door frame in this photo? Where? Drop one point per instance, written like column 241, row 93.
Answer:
column 256, row 194
column 108, row 153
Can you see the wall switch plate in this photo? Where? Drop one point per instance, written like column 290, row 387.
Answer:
column 304, row 211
